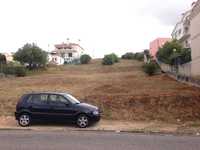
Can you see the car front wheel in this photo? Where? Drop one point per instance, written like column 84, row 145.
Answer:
column 82, row 121
column 24, row 120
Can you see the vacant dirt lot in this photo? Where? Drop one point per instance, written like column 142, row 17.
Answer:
column 123, row 91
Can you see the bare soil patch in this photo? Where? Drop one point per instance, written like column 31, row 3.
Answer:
column 123, row 91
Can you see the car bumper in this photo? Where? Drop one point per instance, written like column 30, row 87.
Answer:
column 95, row 118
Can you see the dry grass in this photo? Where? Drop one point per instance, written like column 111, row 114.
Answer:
column 123, row 91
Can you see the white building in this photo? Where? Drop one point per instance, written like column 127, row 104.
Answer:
column 70, row 52
column 195, row 38
column 9, row 56
column 53, row 58
column 181, row 31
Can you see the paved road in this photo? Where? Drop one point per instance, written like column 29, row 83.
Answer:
column 57, row 140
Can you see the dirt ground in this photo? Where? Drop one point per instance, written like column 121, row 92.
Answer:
column 122, row 91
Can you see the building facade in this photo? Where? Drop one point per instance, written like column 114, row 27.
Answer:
column 181, row 31
column 70, row 52
column 9, row 56
column 54, row 59
column 156, row 44
column 195, row 38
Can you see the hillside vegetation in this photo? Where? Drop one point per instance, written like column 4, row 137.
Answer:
column 122, row 90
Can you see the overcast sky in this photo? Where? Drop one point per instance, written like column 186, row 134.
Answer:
column 103, row 26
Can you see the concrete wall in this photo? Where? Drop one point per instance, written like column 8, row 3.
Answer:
column 195, row 39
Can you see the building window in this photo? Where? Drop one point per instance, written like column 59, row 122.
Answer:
column 186, row 29
column 179, row 31
column 70, row 54
column 62, row 55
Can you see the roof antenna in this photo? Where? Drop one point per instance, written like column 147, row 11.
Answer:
column 68, row 40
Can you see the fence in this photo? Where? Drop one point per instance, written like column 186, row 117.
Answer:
column 189, row 72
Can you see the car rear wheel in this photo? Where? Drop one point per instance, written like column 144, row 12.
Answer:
column 24, row 120
column 82, row 121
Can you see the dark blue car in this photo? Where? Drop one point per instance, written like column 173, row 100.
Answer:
column 53, row 106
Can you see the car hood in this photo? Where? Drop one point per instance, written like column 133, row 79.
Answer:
column 87, row 106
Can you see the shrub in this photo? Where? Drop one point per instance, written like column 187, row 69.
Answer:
column 108, row 60
column 115, row 57
column 85, row 59
column 150, row 68
column 8, row 70
column 139, row 56
column 128, row 55
column 19, row 71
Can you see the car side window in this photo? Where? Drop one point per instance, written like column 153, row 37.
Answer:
column 29, row 99
column 63, row 100
column 52, row 98
column 58, row 100
column 38, row 99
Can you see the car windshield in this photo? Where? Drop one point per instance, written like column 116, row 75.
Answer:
column 72, row 99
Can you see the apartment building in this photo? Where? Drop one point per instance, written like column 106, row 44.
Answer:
column 181, row 31
column 156, row 44
column 195, row 38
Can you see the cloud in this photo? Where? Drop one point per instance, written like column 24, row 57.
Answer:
column 104, row 26
column 167, row 12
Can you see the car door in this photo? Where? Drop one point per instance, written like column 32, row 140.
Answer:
column 61, row 108
column 39, row 106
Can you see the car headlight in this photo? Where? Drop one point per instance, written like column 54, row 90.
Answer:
column 95, row 112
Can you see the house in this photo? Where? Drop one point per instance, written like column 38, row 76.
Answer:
column 156, row 44
column 53, row 58
column 70, row 52
column 195, row 38
column 181, row 31
column 9, row 57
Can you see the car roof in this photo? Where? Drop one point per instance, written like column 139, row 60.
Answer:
column 59, row 93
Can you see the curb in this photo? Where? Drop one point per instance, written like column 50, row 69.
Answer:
column 14, row 129
column 107, row 131
column 146, row 132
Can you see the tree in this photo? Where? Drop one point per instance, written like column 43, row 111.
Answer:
column 185, row 55
column 173, row 53
column 2, row 59
column 32, row 55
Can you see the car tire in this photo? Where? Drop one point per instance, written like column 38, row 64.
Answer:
column 24, row 120
column 82, row 121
